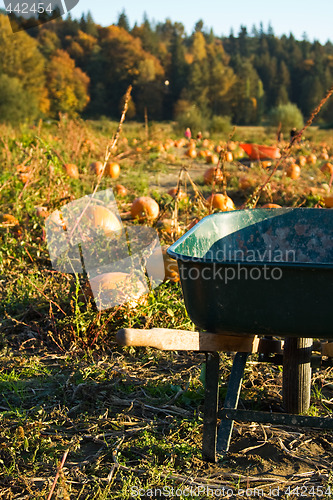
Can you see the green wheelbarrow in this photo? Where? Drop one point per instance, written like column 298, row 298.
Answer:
column 262, row 270
column 266, row 272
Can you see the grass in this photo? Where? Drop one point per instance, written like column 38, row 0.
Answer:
column 130, row 418
column 60, row 402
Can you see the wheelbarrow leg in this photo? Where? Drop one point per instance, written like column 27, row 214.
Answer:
column 210, row 407
column 231, row 401
column 296, row 383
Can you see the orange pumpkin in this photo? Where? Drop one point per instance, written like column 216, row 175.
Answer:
column 112, row 170
column 213, row 173
column 311, row 159
column 71, row 170
column 212, row 158
column 229, row 156
column 42, row 212
column 169, row 227
column 88, row 145
column 180, row 143
column 293, row 171
column 97, row 167
column 191, row 153
column 144, row 207
column 120, row 190
column 271, row 205
column 11, row 222
column 324, row 155
column 327, row 168
column 57, row 218
column 221, row 202
column 301, row 160
column 328, row 200
column 8, row 220
column 25, row 177
column 23, row 168
column 181, row 194
column 169, row 143
column 97, row 216
column 170, row 270
column 232, row 145
column 202, row 153
column 266, row 164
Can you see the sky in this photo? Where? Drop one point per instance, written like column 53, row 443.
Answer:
column 313, row 17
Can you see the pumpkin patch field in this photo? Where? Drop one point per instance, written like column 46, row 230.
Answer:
column 83, row 417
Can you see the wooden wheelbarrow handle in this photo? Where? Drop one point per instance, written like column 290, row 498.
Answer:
column 167, row 339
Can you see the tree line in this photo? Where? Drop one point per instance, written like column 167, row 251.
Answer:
column 79, row 67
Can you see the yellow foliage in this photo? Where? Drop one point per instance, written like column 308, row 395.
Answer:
column 199, row 46
column 126, row 55
column 21, row 59
column 67, row 85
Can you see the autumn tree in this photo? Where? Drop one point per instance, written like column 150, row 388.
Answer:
column 198, row 78
column 123, row 61
column 67, row 85
column 81, row 47
column 48, row 42
column 20, row 59
column 222, row 79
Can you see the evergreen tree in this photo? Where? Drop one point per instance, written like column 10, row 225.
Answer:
column 91, row 28
column 199, row 25
column 177, row 73
column 312, row 92
column 247, row 94
column 243, row 42
column 147, row 35
column 123, row 21
column 83, row 23
column 254, row 31
column 270, row 31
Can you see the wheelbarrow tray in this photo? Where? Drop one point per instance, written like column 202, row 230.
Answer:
column 261, row 152
column 261, row 271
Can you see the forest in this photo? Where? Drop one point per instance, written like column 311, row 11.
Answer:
column 80, row 68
